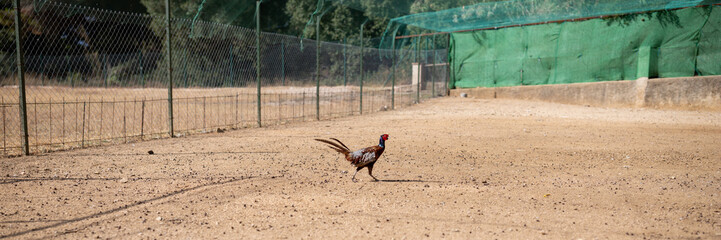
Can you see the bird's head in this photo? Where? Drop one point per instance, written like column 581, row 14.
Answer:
column 382, row 142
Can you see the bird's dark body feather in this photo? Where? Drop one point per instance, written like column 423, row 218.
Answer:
column 361, row 158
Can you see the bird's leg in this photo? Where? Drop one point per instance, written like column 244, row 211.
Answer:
column 370, row 172
column 356, row 172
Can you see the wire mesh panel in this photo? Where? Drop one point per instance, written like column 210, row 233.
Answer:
column 9, row 109
column 97, row 77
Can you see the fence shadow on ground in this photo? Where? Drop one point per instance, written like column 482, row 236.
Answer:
column 114, row 210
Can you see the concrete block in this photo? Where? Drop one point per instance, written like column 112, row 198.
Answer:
column 691, row 93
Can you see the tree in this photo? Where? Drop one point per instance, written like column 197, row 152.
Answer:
column 233, row 12
column 341, row 20
column 122, row 6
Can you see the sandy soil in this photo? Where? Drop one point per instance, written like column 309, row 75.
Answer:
column 453, row 168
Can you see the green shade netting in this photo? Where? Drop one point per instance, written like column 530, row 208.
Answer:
column 683, row 42
column 523, row 12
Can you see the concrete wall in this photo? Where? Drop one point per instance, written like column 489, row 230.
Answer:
column 690, row 93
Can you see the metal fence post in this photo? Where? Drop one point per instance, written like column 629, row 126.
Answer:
column 282, row 60
column 418, row 62
column 82, row 139
column 257, row 55
column 361, row 66
column 393, row 74
column 232, row 79
column 42, row 71
column 142, row 119
column 185, row 65
column 2, row 105
column 21, row 78
column 70, row 72
column 105, row 70
column 170, row 68
column 448, row 66
column 433, row 68
column 317, row 68
column 345, row 72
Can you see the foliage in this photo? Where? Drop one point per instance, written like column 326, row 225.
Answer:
column 664, row 17
column 233, row 12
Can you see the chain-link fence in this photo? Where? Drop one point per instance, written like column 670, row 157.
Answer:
column 96, row 77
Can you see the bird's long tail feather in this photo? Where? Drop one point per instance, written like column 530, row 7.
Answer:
column 341, row 143
column 338, row 148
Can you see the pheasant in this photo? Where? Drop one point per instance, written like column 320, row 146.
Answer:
column 361, row 158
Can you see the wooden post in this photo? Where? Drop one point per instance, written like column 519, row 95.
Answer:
column 21, row 78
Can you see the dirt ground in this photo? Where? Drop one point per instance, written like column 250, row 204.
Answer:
column 453, row 168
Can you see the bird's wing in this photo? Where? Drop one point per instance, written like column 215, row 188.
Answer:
column 364, row 156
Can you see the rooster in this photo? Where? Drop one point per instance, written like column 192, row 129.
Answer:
column 361, row 158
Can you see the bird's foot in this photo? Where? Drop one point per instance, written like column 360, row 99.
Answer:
column 353, row 179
